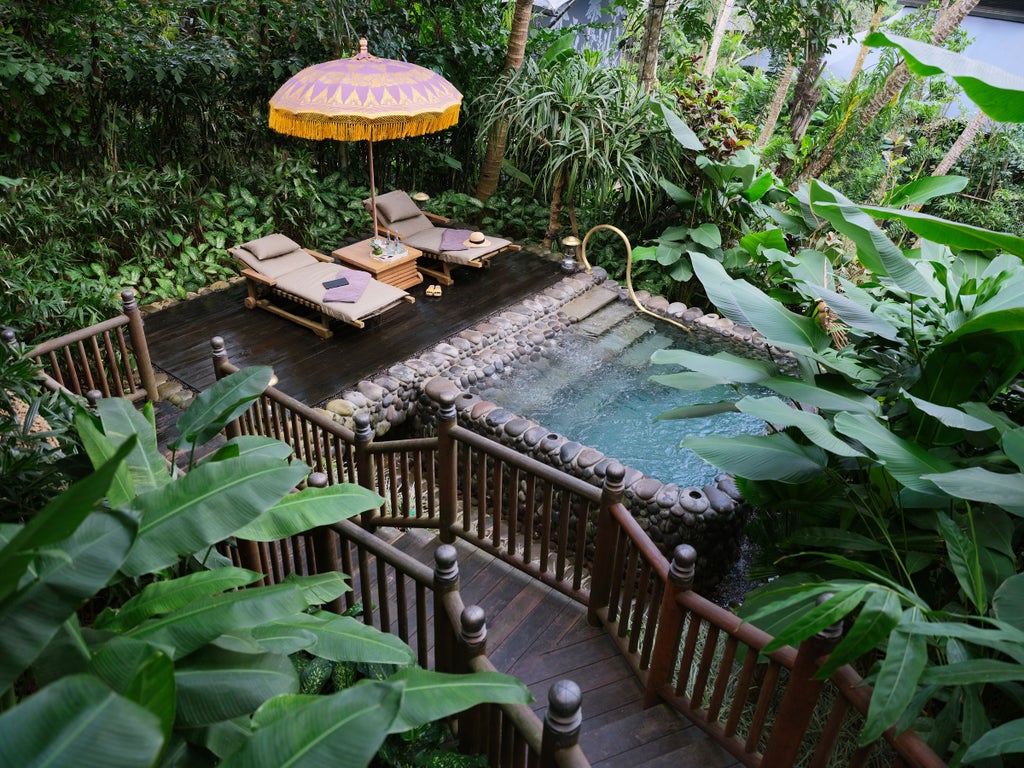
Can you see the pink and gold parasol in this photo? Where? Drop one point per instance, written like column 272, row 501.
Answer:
column 364, row 97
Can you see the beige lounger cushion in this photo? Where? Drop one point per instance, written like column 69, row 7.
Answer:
column 397, row 206
column 271, row 246
column 277, row 266
column 308, row 282
column 429, row 241
column 397, row 212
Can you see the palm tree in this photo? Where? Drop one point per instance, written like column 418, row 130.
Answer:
column 711, row 60
column 490, row 168
column 573, row 126
column 947, row 22
column 653, row 22
column 778, row 101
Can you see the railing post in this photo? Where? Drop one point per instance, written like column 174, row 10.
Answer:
column 670, row 622
column 800, row 696
column 562, row 721
column 604, row 542
column 220, row 358
column 446, row 580
column 364, row 462
column 448, row 465
column 473, row 734
column 324, row 550
column 137, row 334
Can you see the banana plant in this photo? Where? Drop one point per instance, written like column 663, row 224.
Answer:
column 895, row 460
column 184, row 665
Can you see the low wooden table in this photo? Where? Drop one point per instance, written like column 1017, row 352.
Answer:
column 400, row 272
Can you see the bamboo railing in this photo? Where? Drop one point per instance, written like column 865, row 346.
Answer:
column 111, row 357
column 688, row 652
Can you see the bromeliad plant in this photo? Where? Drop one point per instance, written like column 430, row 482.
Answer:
column 182, row 664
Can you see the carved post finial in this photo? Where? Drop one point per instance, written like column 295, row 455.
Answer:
column 682, row 570
column 364, row 433
column 128, row 300
column 564, row 717
column 220, row 354
column 317, row 480
column 9, row 336
column 446, row 565
column 446, row 400
column 474, row 627
column 93, row 396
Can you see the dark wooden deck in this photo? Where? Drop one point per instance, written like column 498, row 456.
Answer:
column 312, row 369
column 541, row 636
column 534, row 633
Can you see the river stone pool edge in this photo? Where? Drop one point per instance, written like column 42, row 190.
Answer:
column 711, row 518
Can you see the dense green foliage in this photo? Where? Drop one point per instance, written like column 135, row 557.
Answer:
column 891, row 478
column 134, row 140
column 175, row 662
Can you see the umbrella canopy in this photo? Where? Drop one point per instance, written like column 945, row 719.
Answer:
column 364, row 97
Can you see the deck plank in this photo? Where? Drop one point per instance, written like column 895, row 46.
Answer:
column 541, row 636
column 533, row 631
column 312, row 369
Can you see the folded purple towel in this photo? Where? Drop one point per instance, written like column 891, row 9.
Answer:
column 454, row 239
column 357, row 282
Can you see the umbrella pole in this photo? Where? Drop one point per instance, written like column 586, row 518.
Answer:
column 373, row 193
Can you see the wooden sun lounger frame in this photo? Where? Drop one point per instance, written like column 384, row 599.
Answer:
column 443, row 274
column 259, row 285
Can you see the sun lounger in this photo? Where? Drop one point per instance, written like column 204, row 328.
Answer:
column 399, row 216
column 277, row 268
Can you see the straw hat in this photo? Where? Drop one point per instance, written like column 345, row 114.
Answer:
column 477, row 240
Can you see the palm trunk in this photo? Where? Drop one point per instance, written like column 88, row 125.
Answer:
column 778, row 100
column 862, row 54
column 650, row 43
column 963, row 142
column 806, row 94
column 944, row 26
column 554, row 212
column 490, row 167
column 711, row 60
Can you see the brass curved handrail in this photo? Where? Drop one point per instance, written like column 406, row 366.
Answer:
column 629, row 272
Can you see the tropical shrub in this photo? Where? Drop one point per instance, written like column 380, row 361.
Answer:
column 711, row 211
column 36, row 463
column 578, row 130
column 892, row 476
column 130, row 641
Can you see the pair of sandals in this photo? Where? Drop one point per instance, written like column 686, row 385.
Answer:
column 433, row 290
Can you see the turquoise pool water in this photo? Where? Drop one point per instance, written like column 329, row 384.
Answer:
column 594, row 386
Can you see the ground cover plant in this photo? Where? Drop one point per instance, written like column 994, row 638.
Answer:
column 894, row 485
column 131, row 641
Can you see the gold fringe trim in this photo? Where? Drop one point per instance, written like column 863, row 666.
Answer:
column 357, row 128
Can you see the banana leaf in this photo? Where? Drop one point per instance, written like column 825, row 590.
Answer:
column 215, row 684
column 309, row 508
column 432, row 695
column 207, row 505
column 345, row 728
column 79, row 721
column 999, row 94
column 67, row 573
column 215, row 407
